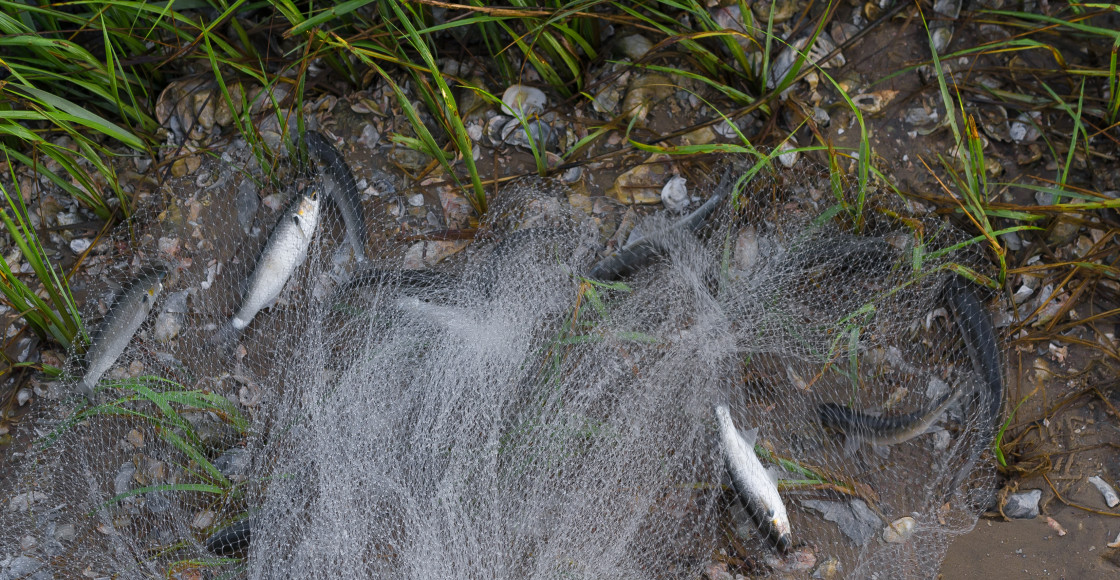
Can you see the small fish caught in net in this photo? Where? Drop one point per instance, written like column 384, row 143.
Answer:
column 289, row 400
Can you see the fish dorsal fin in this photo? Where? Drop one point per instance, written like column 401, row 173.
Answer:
column 749, row 436
column 772, row 472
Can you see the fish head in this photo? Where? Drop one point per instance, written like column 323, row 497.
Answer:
column 155, row 286
column 306, row 214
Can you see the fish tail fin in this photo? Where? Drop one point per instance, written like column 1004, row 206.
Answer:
column 86, row 390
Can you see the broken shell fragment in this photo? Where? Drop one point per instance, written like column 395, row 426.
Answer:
column 1106, row 490
column 874, row 102
column 644, row 91
column 1023, row 128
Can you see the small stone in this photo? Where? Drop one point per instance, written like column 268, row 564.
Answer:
column 701, row 136
column 135, row 438
column 642, row 184
column 416, row 200
column 1022, row 506
column 370, row 136
column 23, row 396
column 634, row 46
column 79, row 245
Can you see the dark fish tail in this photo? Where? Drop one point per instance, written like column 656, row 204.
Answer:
column 978, row 334
column 639, row 253
column 341, row 189
column 231, row 540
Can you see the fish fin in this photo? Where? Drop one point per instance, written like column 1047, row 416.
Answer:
column 86, row 391
column 226, row 337
column 750, row 437
column 883, row 451
column 772, row 472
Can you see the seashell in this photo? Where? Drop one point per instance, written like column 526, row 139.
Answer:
column 634, row 46
column 841, row 32
column 993, row 121
column 874, row 102
column 789, row 159
column 948, row 8
column 495, row 127
column 1022, row 130
column 941, row 37
column 783, row 10
column 786, row 59
column 1106, row 490
column 519, row 135
column 522, row 101
column 643, row 92
column 900, row 530
column 674, row 196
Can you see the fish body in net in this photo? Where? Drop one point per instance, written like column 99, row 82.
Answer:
column 979, row 337
column 337, row 182
column 756, row 487
column 231, row 540
column 883, row 430
column 285, row 251
column 639, row 252
column 124, row 318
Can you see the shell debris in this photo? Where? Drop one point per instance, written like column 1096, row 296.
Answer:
column 1106, row 490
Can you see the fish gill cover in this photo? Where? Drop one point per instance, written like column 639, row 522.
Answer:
column 503, row 416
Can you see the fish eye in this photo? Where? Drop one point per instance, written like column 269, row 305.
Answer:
column 314, row 194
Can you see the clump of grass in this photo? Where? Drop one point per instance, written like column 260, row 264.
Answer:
column 54, row 316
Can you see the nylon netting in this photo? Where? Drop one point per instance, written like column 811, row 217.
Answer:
column 498, row 415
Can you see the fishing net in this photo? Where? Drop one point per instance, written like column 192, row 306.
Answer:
column 497, row 414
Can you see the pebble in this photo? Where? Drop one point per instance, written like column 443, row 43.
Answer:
column 1022, row 506
column 416, row 200
column 79, row 245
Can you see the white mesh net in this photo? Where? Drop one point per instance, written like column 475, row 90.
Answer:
column 501, row 416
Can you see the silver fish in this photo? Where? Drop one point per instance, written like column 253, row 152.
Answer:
column 757, row 488
column 285, row 251
column 124, row 318
column 883, row 430
column 338, row 184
